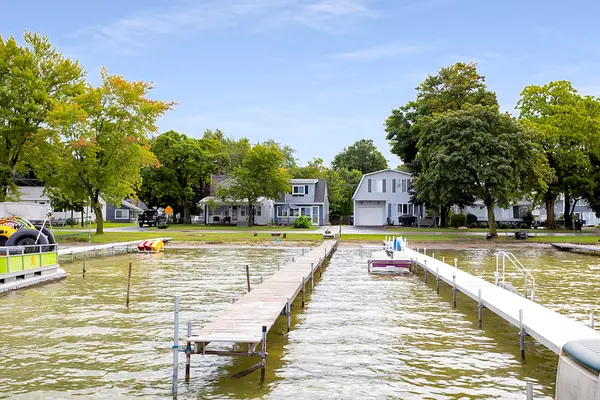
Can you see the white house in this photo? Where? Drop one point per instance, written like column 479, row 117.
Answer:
column 37, row 195
column 383, row 196
column 514, row 213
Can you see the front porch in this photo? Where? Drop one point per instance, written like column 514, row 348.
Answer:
column 286, row 214
column 219, row 213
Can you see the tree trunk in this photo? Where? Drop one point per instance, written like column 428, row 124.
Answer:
column 82, row 216
column 187, row 217
column 97, row 207
column 567, row 212
column 491, row 217
column 250, row 215
column 575, row 201
column 444, row 211
column 550, row 216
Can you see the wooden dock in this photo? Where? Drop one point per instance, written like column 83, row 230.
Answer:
column 548, row 327
column 578, row 248
column 248, row 320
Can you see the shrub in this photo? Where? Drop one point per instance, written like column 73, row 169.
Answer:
column 458, row 220
column 302, row 222
column 524, row 226
column 473, row 225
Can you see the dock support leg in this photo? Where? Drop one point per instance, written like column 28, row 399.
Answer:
column 529, row 391
column 521, row 335
column 71, row 255
column 437, row 280
column 480, row 310
column 248, row 276
column 188, row 354
column 288, row 312
column 83, row 272
column 454, row 290
column 303, row 290
column 425, row 272
column 432, row 255
column 443, row 259
column 264, row 354
column 175, row 347
column 312, row 277
column 456, row 263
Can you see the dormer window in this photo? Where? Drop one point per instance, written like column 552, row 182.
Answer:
column 299, row 190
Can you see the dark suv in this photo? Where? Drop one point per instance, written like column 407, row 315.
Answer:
column 151, row 218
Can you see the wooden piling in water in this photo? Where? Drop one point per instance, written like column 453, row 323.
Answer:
column 480, row 310
column 437, row 280
column 425, row 272
column 188, row 354
column 83, row 273
column 128, row 284
column 175, row 348
column 312, row 277
column 248, row 276
column 454, row 290
column 303, row 290
column 288, row 309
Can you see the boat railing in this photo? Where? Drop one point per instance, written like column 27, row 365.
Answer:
column 500, row 280
column 23, row 258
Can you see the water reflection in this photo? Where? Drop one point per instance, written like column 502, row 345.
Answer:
column 359, row 336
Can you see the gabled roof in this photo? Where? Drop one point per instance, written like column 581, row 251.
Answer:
column 378, row 172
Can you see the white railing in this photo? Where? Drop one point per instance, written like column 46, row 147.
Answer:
column 5, row 251
column 524, row 272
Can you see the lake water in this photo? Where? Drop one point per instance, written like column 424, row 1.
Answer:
column 359, row 336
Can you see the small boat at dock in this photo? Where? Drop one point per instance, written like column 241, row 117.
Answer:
column 393, row 259
column 578, row 248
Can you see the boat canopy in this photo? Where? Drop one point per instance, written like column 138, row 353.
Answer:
column 31, row 211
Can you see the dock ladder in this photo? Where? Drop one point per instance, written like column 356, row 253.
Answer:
column 500, row 280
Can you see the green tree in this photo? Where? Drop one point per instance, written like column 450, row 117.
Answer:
column 261, row 175
column 289, row 160
column 102, row 142
column 478, row 152
column 567, row 128
column 235, row 150
column 184, row 164
column 34, row 79
column 362, row 156
column 450, row 90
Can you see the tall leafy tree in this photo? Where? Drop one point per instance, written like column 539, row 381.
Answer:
column 261, row 175
column 34, row 79
column 450, row 89
column 478, row 152
column 289, row 159
column 567, row 128
column 362, row 156
column 102, row 140
column 184, row 164
column 235, row 150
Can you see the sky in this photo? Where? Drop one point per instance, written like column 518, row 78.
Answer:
column 317, row 75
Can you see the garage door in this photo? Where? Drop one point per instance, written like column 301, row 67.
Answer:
column 370, row 216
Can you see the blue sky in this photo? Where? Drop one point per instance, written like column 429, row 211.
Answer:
column 315, row 74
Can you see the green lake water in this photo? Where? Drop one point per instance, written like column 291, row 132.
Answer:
column 359, row 336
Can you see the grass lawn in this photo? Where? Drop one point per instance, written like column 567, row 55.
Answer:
column 483, row 230
column 106, row 225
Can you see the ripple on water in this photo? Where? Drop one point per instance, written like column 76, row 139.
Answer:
column 359, row 336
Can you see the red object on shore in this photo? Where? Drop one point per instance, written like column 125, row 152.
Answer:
column 143, row 244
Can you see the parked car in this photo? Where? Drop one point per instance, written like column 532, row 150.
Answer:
column 152, row 218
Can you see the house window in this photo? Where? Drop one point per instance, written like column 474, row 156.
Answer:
column 377, row 185
column 121, row 214
column 402, row 209
column 404, row 181
column 243, row 211
column 282, row 212
column 258, row 211
column 298, row 190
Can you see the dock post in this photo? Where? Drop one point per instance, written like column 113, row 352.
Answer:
column 432, row 255
column 425, row 272
column 424, row 252
column 437, row 280
column 95, row 253
column 443, row 259
column 248, row 276
column 83, row 272
column 113, row 250
column 592, row 319
column 456, row 263
column 529, row 391
column 288, row 312
column 454, row 290
column 175, row 347
column 312, row 277
column 71, row 255
column 128, row 284
column 480, row 310
column 264, row 353
column 188, row 353
column 521, row 335
column 303, row 290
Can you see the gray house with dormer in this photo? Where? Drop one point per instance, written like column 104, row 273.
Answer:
column 307, row 197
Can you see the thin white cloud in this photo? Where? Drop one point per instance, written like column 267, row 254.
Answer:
column 393, row 50
column 141, row 28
